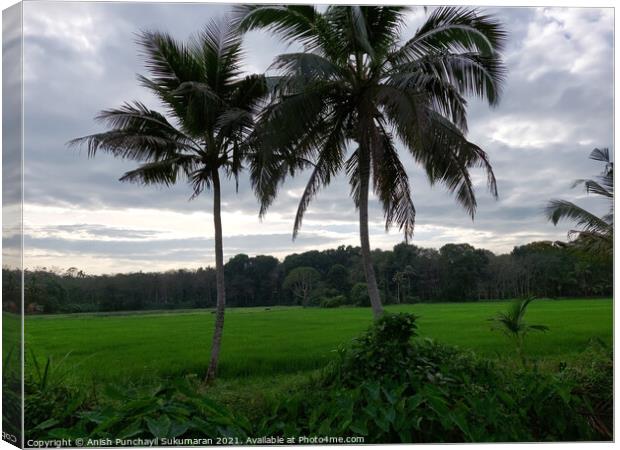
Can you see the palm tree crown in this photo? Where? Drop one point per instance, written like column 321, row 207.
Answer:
column 595, row 234
column 201, row 86
column 356, row 84
column 357, row 88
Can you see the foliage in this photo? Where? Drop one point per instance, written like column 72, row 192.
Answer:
column 436, row 394
column 49, row 401
column 591, row 374
column 541, row 269
column 382, row 351
column 594, row 234
column 333, row 302
column 357, row 81
column 512, row 323
column 359, row 294
column 301, row 282
column 200, row 84
column 173, row 409
column 462, row 267
column 11, row 387
column 337, row 277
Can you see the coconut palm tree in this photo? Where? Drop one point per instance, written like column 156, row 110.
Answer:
column 595, row 234
column 213, row 106
column 355, row 91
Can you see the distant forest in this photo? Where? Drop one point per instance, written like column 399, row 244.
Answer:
column 329, row 278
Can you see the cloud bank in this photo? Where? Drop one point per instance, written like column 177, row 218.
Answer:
column 82, row 57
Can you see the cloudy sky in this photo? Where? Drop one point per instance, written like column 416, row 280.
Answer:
column 80, row 58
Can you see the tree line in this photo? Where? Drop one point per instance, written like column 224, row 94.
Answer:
column 329, row 278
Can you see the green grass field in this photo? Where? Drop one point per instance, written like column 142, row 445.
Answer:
column 260, row 342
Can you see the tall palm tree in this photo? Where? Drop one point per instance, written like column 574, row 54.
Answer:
column 595, row 234
column 213, row 107
column 357, row 85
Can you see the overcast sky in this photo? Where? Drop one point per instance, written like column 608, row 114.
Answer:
column 80, row 58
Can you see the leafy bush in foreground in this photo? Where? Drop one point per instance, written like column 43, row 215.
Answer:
column 592, row 376
column 390, row 389
column 49, row 400
column 172, row 410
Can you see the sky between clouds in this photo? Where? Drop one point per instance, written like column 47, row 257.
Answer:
column 80, row 58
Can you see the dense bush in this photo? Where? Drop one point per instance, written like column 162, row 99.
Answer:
column 384, row 351
column 591, row 374
column 333, row 302
column 173, row 409
column 359, row 294
column 49, row 401
column 389, row 388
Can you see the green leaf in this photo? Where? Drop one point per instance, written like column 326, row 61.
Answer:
column 131, row 430
column 159, row 427
column 46, row 424
column 178, row 428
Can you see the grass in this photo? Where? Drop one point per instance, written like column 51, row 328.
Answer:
column 279, row 341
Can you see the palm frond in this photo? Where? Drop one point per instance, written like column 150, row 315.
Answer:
column 287, row 120
column 600, row 154
column 137, row 133
column 169, row 63
column 437, row 145
column 594, row 187
column 558, row 210
column 594, row 234
column 470, row 74
column 349, row 22
column 219, row 50
column 454, row 29
column 293, row 23
column 165, row 171
column 391, row 183
column 307, row 66
column 512, row 322
column 441, row 94
column 328, row 164
column 384, row 25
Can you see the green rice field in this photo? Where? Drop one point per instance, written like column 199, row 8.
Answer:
column 281, row 340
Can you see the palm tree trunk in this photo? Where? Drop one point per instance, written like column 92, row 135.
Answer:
column 219, row 280
column 369, row 271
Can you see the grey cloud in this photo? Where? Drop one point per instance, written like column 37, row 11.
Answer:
column 99, row 231
column 188, row 249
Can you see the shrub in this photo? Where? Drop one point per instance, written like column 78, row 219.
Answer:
column 321, row 293
column 591, row 376
column 512, row 323
column 333, row 302
column 49, row 400
column 390, row 388
column 174, row 409
column 384, row 350
column 359, row 294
